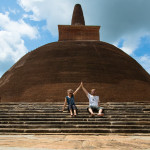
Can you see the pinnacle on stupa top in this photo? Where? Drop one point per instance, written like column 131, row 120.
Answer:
column 78, row 31
column 78, row 17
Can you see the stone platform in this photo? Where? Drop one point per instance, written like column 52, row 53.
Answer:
column 132, row 118
column 73, row 142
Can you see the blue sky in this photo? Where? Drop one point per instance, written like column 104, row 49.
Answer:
column 28, row 24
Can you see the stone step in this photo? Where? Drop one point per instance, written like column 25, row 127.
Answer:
column 43, row 103
column 108, row 112
column 75, row 119
column 58, row 109
column 68, row 114
column 116, row 103
column 79, row 109
column 82, row 134
column 128, row 103
column 79, row 112
column 55, row 104
column 48, row 105
column 45, row 118
column 43, row 126
column 72, row 130
column 82, row 105
column 146, row 109
column 78, row 116
column 83, row 115
column 79, row 122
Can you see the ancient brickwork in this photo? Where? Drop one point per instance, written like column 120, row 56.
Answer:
column 78, row 33
column 46, row 73
column 77, row 17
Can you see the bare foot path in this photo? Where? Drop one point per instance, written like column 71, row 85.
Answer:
column 74, row 142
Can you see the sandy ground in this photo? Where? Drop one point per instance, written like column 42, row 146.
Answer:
column 74, row 142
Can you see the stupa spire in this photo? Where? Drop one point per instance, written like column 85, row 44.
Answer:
column 78, row 17
column 78, row 31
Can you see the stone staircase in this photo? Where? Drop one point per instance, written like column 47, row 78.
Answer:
column 45, row 118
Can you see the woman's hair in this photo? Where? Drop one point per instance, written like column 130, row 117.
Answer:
column 69, row 91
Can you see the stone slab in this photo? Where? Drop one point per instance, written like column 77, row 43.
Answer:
column 73, row 142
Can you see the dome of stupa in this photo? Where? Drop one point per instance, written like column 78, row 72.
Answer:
column 46, row 73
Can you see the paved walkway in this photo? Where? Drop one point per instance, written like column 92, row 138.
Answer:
column 73, row 142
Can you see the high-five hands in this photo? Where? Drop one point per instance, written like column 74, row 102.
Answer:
column 82, row 84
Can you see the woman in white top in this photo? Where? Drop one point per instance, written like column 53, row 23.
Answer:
column 93, row 102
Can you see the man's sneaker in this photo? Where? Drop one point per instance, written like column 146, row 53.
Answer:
column 101, row 114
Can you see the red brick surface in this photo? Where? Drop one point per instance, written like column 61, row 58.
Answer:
column 67, row 32
column 47, row 72
column 78, row 17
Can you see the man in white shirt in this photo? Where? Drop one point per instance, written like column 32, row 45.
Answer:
column 93, row 102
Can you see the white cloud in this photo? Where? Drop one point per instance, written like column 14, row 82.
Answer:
column 11, row 37
column 119, row 18
column 11, row 46
column 53, row 11
column 13, row 11
column 128, row 46
column 145, row 62
column 132, row 42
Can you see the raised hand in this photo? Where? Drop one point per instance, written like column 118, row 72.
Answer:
column 83, row 88
column 77, row 90
column 82, row 85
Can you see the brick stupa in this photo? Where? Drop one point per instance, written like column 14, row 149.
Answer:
column 45, row 74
